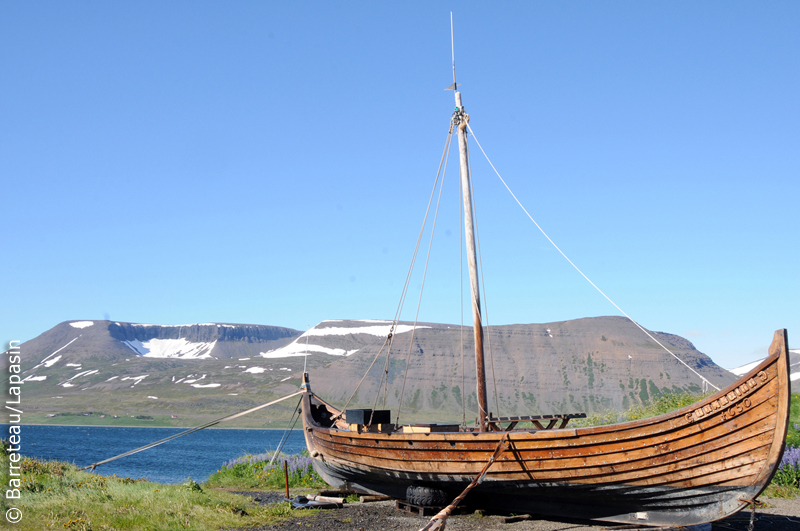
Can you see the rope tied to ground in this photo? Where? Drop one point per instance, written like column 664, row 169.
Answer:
column 187, row 432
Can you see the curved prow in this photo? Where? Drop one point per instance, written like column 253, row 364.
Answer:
column 780, row 343
column 780, row 349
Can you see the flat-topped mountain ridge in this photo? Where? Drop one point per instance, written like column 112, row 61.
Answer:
column 213, row 369
column 111, row 340
column 582, row 365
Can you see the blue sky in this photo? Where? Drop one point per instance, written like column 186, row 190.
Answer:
column 264, row 162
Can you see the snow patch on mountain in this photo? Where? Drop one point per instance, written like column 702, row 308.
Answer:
column 136, row 379
column 171, row 348
column 256, row 370
column 50, row 363
column 84, row 373
column 35, row 378
column 43, row 362
column 380, row 331
column 301, row 349
column 203, row 386
column 81, row 324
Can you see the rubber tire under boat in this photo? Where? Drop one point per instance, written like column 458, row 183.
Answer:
column 426, row 496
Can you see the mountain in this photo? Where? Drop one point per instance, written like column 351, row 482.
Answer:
column 195, row 372
column 203, row 371
column 583, row 365
column 78, row 341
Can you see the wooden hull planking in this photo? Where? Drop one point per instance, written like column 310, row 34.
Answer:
column 695, row 465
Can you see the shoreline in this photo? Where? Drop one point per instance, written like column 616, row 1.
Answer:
column 152, row 427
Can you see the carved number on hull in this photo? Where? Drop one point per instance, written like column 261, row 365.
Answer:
column 730, row 398
column 737, row 409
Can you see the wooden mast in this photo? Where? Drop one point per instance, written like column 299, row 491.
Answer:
column 461, row 118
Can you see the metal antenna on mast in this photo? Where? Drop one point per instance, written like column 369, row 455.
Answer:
column 453, row 51
column 454, row 86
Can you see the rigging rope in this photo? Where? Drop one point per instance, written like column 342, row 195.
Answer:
column 581, row 272
column 366, row 373
column 389, row 339
column 424, row 275
column 187, row 432
column 386, row 371
column 287, row 431
column 461, row 291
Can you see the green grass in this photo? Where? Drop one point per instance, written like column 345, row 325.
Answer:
column 774, row 490
column 793, row 435
column 255, row 472
column 56, row 495
column 659, row 406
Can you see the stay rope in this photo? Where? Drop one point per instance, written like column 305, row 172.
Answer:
column 390, row 337
column 461, row 291
column 578, row 269
column 187, row 432
column 437, row 523
column 425, row 271
column 288, row 431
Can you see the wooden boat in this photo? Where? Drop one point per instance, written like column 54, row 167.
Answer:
column 695, row 465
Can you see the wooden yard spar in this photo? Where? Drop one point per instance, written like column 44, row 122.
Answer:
column 691, row 466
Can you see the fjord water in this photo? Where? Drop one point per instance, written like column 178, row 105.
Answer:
column 197, row 455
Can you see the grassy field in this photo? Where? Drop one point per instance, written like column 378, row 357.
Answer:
column 56, row 495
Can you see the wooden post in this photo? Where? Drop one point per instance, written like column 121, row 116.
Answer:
column 286, row 477
column 469, row 229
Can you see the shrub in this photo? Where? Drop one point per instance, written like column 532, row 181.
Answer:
column 788, row 474
column 663, row 404
column 255, row 470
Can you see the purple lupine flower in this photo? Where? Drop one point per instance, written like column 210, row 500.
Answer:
column 791, row 457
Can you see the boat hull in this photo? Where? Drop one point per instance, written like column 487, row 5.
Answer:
column 695, row 465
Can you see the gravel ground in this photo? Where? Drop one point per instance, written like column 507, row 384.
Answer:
column 780, row 515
